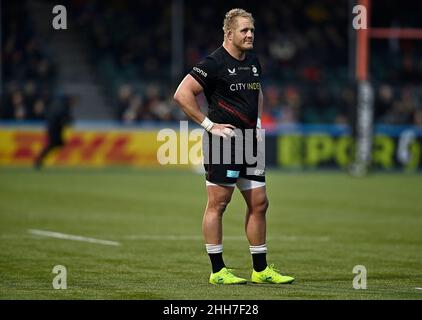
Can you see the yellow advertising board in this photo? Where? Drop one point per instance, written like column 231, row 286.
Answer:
column 91, row 148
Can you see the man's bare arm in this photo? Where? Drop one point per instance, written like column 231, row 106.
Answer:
column 185, row 96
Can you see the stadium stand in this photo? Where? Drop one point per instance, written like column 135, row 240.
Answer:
column 28, row 72
column 303, row 46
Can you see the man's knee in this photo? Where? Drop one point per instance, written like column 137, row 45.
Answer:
column 218, row 206
column 261, row 205
column 267, row 203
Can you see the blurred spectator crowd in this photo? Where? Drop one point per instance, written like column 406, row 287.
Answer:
column 302, row 45
column 28, row 73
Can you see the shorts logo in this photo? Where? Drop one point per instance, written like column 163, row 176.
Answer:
column 232, row 174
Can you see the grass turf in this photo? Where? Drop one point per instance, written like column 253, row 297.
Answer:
column 320, row 225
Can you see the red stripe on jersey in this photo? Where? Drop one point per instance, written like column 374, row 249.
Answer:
column 232, row 110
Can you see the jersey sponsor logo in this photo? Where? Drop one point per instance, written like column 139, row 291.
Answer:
column 244, row 68
column 200, row 71
column 232, row 174
column 232, row 72
column 245, row 86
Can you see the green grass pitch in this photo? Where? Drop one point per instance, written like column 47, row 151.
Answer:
column 320, row 225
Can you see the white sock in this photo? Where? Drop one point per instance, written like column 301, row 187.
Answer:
column 258, row 249
column 214, row 248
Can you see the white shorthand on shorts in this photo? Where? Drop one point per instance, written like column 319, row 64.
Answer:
column 242, row 184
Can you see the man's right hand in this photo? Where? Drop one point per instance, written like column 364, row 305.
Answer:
column 223, row 130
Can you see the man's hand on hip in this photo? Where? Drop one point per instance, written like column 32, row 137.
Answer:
column 223, row 130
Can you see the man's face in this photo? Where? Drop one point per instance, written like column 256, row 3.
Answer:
column 243, row 34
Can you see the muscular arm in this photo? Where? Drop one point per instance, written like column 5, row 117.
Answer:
column 185, row 97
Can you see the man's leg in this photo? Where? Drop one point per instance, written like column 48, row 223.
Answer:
column 255, row 224
column 54, row 140
column 212, row 224
column 212, row 227
column 42, row 155
column 256, row 199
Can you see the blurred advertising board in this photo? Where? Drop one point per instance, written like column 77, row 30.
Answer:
column 289, row 147
column 331, row 146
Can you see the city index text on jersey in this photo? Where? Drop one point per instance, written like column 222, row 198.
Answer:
column 245, row 86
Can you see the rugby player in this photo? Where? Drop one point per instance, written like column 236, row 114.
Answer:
column 230, row 79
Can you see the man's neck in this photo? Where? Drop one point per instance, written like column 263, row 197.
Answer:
column 233, row 51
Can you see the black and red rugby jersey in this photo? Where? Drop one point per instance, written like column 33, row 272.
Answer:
column 231, row 87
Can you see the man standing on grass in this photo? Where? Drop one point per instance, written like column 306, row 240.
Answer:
column 230, row 80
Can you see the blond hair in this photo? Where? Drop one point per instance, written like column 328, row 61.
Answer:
column 230, row 18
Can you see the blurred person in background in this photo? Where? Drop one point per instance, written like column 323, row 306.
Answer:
column 125, row 94
column 417, row 117
column 383, row 102
column 230, row 78
column 58, row 117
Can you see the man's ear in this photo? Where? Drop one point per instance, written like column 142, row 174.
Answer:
column 230, row 35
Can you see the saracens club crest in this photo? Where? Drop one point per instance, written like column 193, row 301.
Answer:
column 255, row 71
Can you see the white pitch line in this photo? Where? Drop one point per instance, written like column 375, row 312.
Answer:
column 58, row 235
column 418, row 288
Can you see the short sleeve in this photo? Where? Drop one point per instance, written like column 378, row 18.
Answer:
column 205, row 72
